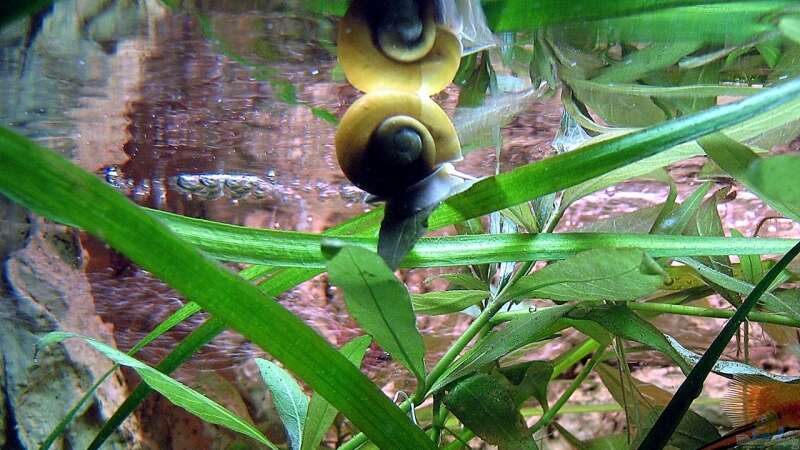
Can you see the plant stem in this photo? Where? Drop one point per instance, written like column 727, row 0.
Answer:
column 553, row 411
column 663, row 308
column 572, row 357
column 459, row 345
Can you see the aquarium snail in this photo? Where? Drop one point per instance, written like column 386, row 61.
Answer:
column 388, row 141
column 395, row 142
column 399, row 47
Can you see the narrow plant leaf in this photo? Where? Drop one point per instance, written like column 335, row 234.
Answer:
column 517, row 15
column 518, row 332
column 751, row 266
column 321, row 414
column 79, row 198
column 288, row 398
column 177, row 393
column 380, row 304
column 730, row 369
column 446, row 302
column 692, row 431
column 690, row 389
column 757, row 128
column 598, row 158
column 770, row 300
column 180, row 354
column 601, row 274
column 620, row 321
column 175, row 318
column 303, row 250
column 677, row 220
column 483, row 403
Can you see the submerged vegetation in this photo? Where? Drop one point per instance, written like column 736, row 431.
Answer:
column 644, row 84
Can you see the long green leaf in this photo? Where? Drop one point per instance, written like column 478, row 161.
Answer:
column 293, row 249
column 177, row 393
column 79, row 198
column 380, row 304
column 598, row 158
column 517, row 15
column 690, row 389
column 620, row 321
column 320, row 413
column 175, row 318
column 772, row 301
column 182, row 352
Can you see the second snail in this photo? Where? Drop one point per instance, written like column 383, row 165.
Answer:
column 395, row 142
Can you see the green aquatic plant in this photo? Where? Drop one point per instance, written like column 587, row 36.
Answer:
column 640, row 103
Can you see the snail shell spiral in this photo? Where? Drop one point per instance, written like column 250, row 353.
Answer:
column 389, row 140
column 399, row 47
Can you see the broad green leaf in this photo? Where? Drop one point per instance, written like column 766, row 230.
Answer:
column 177, row 393
column 639, row 221
column 770, row 177
column 79, row 198
column 620, row 321
column 529, row 379
column 693, row 431
column 288, row 398
column 747, row 168
column 380, row 304
column 483, row 403
column 790, row 27
column 518, row 332
column 321, row 414
column 446, row 302
column 621, row 110
column 601, row 274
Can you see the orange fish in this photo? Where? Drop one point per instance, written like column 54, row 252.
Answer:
column 759, row 408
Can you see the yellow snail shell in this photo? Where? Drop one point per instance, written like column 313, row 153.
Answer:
column 389, row 140
column 381, row 48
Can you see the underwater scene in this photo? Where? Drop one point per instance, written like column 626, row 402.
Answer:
column 399, row 224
